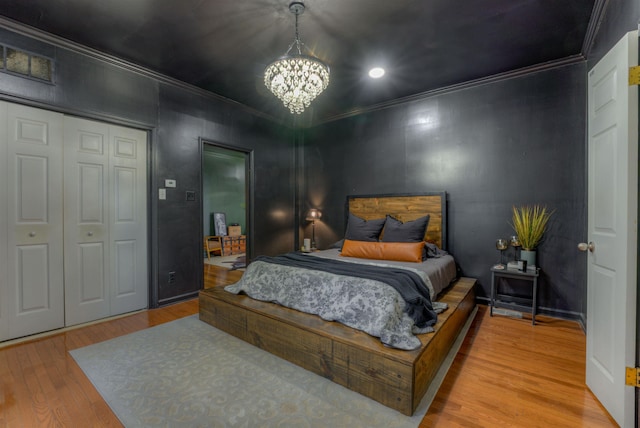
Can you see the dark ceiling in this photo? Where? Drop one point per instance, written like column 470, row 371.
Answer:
column 223, row 46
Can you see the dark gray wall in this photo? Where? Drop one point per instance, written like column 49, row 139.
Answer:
column 83, row 86
column 182, row 119
column 517, row 141
column 177, row 118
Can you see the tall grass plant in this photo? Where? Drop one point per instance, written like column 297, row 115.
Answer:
column 530, row 222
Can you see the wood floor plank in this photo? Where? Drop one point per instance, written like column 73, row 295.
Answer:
column 510, row 373
column 507, row 373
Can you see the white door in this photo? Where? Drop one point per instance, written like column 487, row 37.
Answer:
column 105, row 220
column 128, row 219
column 35, row 292
column 4, row 307
column 612, row 228
column 86, row 237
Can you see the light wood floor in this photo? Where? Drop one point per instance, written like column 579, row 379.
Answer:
column 507, row 373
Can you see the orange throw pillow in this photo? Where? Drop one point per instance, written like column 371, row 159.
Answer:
column 397, row 251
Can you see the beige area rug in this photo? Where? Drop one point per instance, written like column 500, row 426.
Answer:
column 226, row 262
column 187, row 373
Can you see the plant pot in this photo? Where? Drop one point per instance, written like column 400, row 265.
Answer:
column 529, row 256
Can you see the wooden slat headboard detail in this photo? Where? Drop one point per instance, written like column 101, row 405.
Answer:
column 406, row 208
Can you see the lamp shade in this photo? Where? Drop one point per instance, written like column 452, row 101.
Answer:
column 313, row 214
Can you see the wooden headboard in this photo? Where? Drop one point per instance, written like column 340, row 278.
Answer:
column 406, row 207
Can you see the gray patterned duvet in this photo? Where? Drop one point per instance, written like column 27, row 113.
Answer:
column 368, row 305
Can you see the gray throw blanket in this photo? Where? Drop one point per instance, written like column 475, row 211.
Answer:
column 408, row 284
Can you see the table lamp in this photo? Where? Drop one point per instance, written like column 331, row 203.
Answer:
column 313, row 215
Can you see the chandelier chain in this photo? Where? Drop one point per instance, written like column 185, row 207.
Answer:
column 296, row 41
column 298, row 34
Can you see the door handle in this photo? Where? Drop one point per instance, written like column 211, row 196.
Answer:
column 89, row 233
column 32, row 234
column 583, row 246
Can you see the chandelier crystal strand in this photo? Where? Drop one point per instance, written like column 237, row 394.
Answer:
column 296, row 79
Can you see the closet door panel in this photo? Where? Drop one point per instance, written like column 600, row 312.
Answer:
column 35, row 287
column 91, row 258
column 128, row 226
column 125, row 253
column 32, row 279
column 125, row 268
column 86, row 220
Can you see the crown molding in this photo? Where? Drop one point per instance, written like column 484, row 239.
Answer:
column 550, row 65
column 597, row 15
column 594, row 23
column 61, row 42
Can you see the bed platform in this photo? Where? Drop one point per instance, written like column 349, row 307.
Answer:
column 396, row 378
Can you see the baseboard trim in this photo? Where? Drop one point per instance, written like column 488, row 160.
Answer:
column 176, row 299
column 37, row 336
column 579, row 317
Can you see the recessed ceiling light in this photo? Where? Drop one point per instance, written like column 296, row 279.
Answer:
column 376, row 72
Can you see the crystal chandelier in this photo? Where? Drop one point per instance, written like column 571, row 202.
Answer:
column 296, row 78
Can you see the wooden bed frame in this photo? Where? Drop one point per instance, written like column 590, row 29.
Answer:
column 405, row 208
column 396, row 378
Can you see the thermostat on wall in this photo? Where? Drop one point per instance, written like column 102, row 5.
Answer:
column 169, row 183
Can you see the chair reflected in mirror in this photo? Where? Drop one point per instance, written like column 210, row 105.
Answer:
column 212, row 245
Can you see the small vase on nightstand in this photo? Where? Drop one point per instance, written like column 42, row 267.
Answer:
column 529, row 256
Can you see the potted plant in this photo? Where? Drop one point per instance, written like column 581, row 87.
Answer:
column 530, row 222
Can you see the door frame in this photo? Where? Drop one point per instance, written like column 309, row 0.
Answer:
column 248, row 196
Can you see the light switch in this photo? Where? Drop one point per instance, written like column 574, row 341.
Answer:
column 162, row 194
column 169, row 183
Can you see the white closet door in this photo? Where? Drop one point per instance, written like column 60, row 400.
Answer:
column 4, row 307
column 98, row 202
column 86, row 229
column 128, row 219
column 35, row 291
column 105, row 220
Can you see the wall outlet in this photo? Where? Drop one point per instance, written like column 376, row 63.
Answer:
column 172, row 277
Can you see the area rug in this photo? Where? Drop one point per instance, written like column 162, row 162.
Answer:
column 235, row 262
column 186, row 373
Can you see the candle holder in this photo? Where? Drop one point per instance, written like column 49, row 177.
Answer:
column 501, row 245
column 515, row 243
